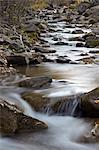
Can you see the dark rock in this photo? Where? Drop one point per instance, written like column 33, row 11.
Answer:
column 25, row 58
column 62, row 59
column 89, row 36
column 79, row 45
column 37, row 102
column 76, row 39
column 94, row 51
column 83, row 6
column 60, row 43
column 90, row 103
column 77, row 32
column 30, row 27
column 55, row 39
column 12, row 120
column 36, row 82
column 44, row 50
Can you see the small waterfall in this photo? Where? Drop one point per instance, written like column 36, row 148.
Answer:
column 70, row 107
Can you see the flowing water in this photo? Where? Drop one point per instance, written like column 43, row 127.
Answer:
column 68, row 79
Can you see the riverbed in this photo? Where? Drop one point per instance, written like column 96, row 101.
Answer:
column 68, row 79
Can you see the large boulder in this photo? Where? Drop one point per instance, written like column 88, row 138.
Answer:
column 90, row 103
column 12, row 120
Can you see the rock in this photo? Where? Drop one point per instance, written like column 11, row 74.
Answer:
column 25, row 58
column 92, row 43
column 83, row 54
column 83, row 6
column 60, row 43
column 89, row 103
column 7, row 71
column 43, row 50
column 55, row 39
column 77, row 32
column 94, row 51
column 79, row 45
column 30, row 27
column 66, row 106
column 14, row 121
column 36, row 82
column 76, row 39
column 89, row 36
column 87, row 60
column 62, row 59
column 37, row 102
column 3, row 60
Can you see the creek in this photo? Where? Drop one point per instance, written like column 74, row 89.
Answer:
column 68, row 79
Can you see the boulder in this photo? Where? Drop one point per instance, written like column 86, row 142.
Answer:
column 90, row 103
column 37, row 102
column 24, row 58
column 83, row 6
column 12, row 120
column 36, row 82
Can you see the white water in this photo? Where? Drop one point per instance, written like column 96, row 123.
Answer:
column 61, row 134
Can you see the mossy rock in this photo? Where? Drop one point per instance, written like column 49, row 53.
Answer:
column 92, row 43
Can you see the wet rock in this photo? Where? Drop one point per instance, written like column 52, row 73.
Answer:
column 87, row 60
column 44, row 50
column 89, row 36
column 62, row 59
column 77, row 32
column 12, row 120
column 55, row 39
column 37, row 102
column 76, row 39
column 94, row 51
column 25, row 58
column 66, row 106
column 36, row 82
column 80, row 45
column 89, row 103
column 83, row 54
column 61, row 43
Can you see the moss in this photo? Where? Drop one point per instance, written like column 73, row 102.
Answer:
column 39, row 4
column 32, row 37
column 92, row 43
